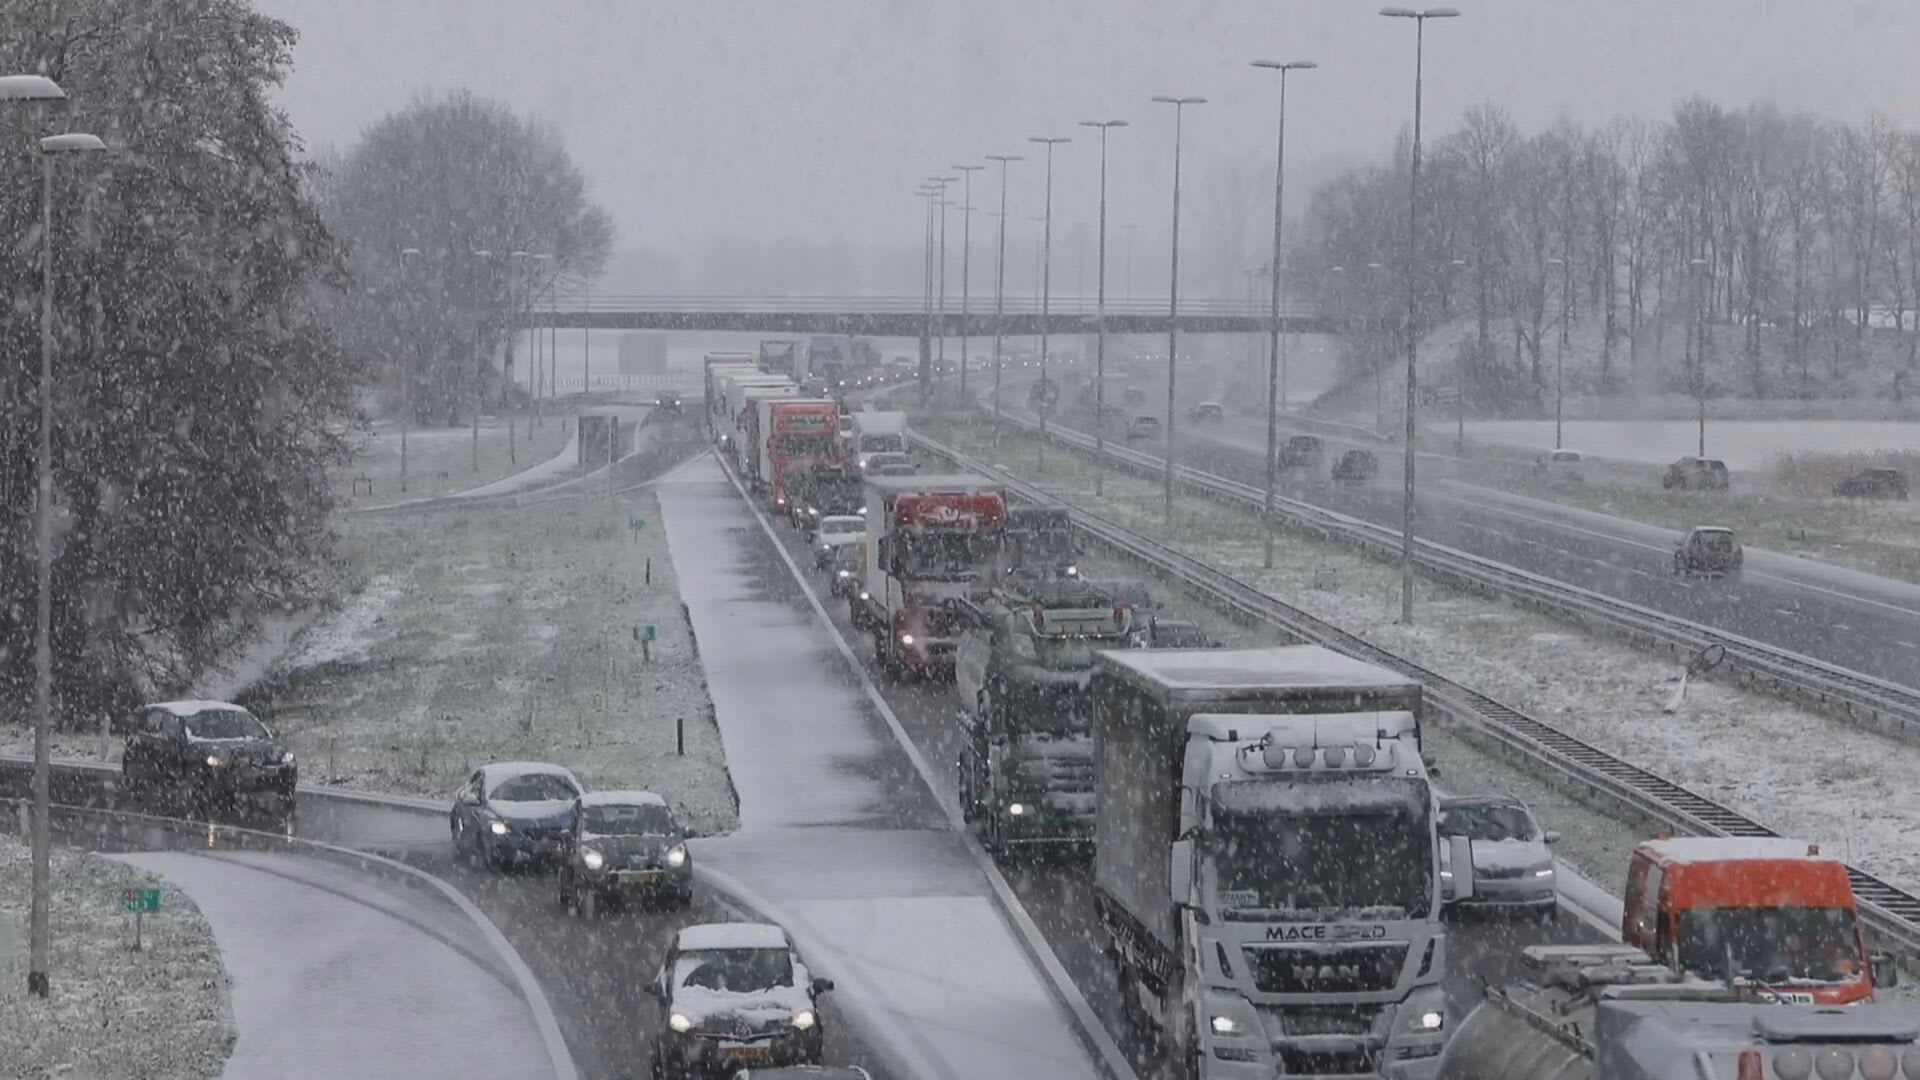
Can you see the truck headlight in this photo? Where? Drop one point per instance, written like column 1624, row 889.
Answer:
column 1427, row 1020
column 497, row 827
column 844, row 573
column 215, row 761
column 1225, row 1025
column 906, row 639
column 677, row 856
column 1017, row 809
column 592, row 859
column 286, row 758
column 804, row 1019
column 679, row 1022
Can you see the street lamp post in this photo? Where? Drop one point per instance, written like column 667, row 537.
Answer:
column 928, row 192
column 1699, row 267
column 1460, row 388
column 1276, row 342
column 1046, row 287
column 1100, row 315
column 40, row 923
column 1377, row 324
column 1560, row 358
column 479, row 391
column 1173, row 286
column 407, row 256
column 1000, row 287
column 937, row 279
column 966, row 270
column 1413, row 295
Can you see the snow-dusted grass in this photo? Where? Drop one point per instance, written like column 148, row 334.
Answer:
column 163, row 1011
column 440, row 460
column 1749, row 445
column 1800, row 773
column 474, row 635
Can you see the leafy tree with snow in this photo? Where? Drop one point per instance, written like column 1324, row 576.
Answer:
column 448, row 177
column 197, row 400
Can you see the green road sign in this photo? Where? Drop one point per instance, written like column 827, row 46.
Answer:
column 652, row 632
column 636, row 524
column 140, row 899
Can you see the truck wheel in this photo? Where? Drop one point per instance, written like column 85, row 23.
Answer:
column 963, row 787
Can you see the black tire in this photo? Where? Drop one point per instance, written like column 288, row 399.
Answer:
column 459, row 838
column 1548, row 916
column 565, row 890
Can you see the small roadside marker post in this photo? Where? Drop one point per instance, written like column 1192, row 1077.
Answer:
column 139, row 901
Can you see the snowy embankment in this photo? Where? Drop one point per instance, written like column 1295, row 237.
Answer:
column 1799, row 772
column 474, row 635
column 162, row 1011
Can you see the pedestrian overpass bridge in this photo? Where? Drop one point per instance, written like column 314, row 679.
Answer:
column 907, row 316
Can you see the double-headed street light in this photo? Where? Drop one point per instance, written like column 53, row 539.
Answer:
column 966, row 269
column 1046, row 287
column 1173, row 285
column 1100, row 317
column 1276, row 342
column 940, row 348
column 1419, row 18
column 1000, row 287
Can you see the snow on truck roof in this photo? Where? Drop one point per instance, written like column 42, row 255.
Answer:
column 1275, row 666
column 190, row 708
column 733, row 935
column 1702, row 849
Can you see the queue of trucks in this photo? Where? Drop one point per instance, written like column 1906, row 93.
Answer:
column 1266, row 845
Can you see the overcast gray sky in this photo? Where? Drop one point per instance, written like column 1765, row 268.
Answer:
column 813, row 119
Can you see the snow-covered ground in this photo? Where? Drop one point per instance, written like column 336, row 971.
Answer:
column 335, row 975
column 1825, row 781
column 1746, row 445
column 480, row 634
column 114, row 1013
column 440, row 461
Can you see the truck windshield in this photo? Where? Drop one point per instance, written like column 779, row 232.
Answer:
column 1323, row 843
column 952, row 556
column 1771, row 945
column 807, row 445
column 1040, row 548
column 883, row 444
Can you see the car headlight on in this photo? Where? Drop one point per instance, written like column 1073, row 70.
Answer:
column 1427, row 1020
column 592, row 859
column 497, row 827
column 679, row 1022
column 1225, row 1025
column 215, row 761
column 1017, row 809
column 1073, row 571
column 286, row 758
column 677, row 856
column 906, row 639
column 804, row 1019
column 864, row 595
column 845, row 573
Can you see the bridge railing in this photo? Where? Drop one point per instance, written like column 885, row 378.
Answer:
column 909, row 305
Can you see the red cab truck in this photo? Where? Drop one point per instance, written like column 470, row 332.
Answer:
column 796, row 436
column 1774, row 915
column 930, row 539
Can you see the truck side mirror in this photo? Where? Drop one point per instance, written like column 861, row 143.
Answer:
column 1460, row 861
column 1886, row 973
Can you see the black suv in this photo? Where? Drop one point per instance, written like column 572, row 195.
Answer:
column 214, row 755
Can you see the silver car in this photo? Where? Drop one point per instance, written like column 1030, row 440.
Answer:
column 1512, row 868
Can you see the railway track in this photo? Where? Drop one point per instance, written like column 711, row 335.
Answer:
column 1893, row 913
column 1876, row 704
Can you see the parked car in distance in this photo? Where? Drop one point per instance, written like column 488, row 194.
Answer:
column 1559, row 465
column 836, row 531
column 1209, row 412
column 1303, row 452
column 1356, row 466
column 845, row 570
column 515, row 813
column 732, row 996
column 1143, row 427
column 1707, row 551
column 212, row 755
column 1697, row 474
column 624, row 845
column 1512, row 868
column 1874, row 484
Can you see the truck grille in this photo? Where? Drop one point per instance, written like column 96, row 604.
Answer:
column 1296, row 1062
column 1339, row 1020
column 1502, row 873
column 1353, row 969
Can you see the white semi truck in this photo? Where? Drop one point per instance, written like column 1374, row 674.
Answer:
column 1267, row 864
column 878, row 431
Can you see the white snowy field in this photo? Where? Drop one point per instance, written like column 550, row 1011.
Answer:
column 1746, row 445
column 441, row 460
column 470, row 635
column 114, row 1013
column 1825, row 781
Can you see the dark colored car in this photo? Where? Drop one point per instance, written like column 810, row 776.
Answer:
column 845, row 571
column 1874, row 484
column 515, row 813
column 1707, row 551
column 733, row 996
column 1303, row 452
column 668, row 402
column 1129, row 591
column 1143, row 427
column 624, row 845
column 1356, row 466
column 1164, row 633
column 213, row 755
column 1697, row 474
column 1209, row 412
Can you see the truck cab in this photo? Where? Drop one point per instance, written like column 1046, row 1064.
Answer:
column 1040, row 544
column 1766, row 912
column 931, row 540
column 1021, row 672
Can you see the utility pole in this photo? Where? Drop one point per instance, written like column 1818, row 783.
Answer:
column 1173, row 289
column 966, row 270
column 1000, row 288
column 1046, row 291
column 1276, row 341
column 1100, row 318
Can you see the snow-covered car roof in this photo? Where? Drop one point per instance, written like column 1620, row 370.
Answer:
column 1695, row 849
column 500, row 772
column 1712, row 529
column 189, row 708
column 846, row 520
column 1493, row 798
column 621, row 798
column 733, row 935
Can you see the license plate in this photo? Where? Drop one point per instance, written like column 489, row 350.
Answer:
column 638, row 877
column 751, row 1055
